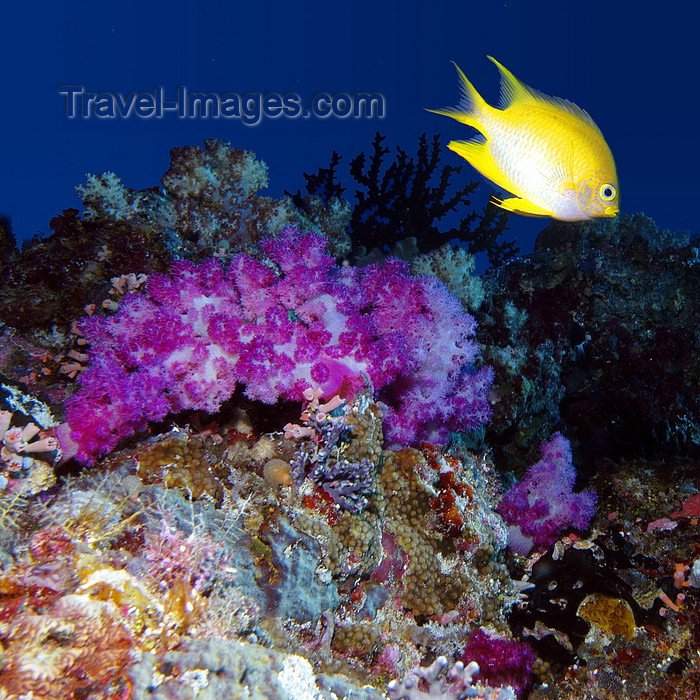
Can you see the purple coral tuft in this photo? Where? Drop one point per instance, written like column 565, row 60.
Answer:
column 501, row 661
column 346, row 482
column 278, row 327
column 543, row 503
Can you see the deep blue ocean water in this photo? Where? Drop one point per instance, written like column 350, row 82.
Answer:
column 627, row 64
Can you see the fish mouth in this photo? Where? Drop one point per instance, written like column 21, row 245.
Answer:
column 610, row 212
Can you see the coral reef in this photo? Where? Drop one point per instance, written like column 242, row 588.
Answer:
column 50, row 280
column 282, row 563
column 219, row 668
column 610, row 614
column 501, row 661
column 455, row 268
column 606, row 351
column 208, row 201
column 207, row 204
column 179, row 461
column 80, row 644
column 453, row 684
column 278, row 504
column 21, row 472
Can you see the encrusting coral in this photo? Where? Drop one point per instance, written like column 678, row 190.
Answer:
column 82, row 643
column 454, row 683
column 178, row 460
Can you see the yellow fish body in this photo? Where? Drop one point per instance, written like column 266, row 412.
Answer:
column 546, row 151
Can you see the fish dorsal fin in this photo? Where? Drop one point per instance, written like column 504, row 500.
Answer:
column 513, row 91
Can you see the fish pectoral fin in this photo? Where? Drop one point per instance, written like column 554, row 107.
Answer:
column 520, row 206
column 477, row 153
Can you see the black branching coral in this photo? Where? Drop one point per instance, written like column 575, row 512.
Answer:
column 411, row 196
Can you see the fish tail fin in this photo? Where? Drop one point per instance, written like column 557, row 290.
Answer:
column 471, row 104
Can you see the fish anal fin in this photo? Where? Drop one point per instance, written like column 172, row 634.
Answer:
column 477, row 153
column 520, row 206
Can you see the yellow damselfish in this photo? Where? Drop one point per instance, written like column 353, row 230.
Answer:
column 545, row 150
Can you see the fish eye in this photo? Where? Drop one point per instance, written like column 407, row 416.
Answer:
column 607, row 192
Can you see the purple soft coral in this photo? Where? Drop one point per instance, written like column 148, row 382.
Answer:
column 502, row 661
column 277, row 328
column 543, row 503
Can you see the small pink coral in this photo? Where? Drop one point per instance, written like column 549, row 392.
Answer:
column 16, row 442
column 690, row 509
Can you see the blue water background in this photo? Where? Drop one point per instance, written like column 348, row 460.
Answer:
column 629, row 64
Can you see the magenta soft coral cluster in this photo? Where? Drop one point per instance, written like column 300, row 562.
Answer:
column 502, row 661
column 543, row 502
column 277, row 327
